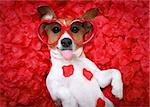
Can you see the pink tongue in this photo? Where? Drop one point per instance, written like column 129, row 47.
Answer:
column 67, row 54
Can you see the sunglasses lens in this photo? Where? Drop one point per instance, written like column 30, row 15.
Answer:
column 49, row 33
column 77, row 31
column 89, row 30
column 81, row 31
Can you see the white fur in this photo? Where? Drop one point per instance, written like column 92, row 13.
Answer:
column 76, row 90
column 47, row 17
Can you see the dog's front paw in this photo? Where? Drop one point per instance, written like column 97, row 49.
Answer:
column 117, row 91
column 117, row 85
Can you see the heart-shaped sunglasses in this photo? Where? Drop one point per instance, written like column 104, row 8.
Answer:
column 81, row 31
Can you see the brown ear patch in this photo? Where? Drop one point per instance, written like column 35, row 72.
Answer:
column 45, row 10
column 91, row 13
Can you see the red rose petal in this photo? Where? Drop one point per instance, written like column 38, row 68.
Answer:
column 100, row 103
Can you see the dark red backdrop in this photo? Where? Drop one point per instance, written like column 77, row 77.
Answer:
column 122, row 43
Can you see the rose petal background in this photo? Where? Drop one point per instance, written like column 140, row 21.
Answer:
column 121, row 42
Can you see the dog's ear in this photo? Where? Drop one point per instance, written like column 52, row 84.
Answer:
column 90, row 14
column 46, row 12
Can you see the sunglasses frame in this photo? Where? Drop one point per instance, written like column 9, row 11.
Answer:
column 67, row 28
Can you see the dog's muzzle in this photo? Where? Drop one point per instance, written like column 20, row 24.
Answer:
column 66, row 48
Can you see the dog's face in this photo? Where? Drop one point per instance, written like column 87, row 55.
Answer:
column 66, row 36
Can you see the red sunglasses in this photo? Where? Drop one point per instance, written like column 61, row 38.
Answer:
column 81, row 31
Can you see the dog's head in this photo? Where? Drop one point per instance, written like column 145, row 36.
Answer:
column 66, row 37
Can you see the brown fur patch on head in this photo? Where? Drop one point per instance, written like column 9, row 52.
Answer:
column 77, row 36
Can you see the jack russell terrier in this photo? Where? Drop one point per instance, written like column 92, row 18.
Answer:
column 74, row 80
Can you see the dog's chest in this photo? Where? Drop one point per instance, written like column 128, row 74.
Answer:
column 70, row 70
column 76, row 69
column 77, row 77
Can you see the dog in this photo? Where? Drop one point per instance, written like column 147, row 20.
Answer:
column 74, row 80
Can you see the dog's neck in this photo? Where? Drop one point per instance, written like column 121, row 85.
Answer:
column 56, row 55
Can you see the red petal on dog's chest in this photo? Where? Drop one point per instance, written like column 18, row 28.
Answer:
column 88, row 75
column 100, row 103
column 68, row 70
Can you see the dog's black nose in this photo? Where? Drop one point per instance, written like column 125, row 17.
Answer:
column 66, row 42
